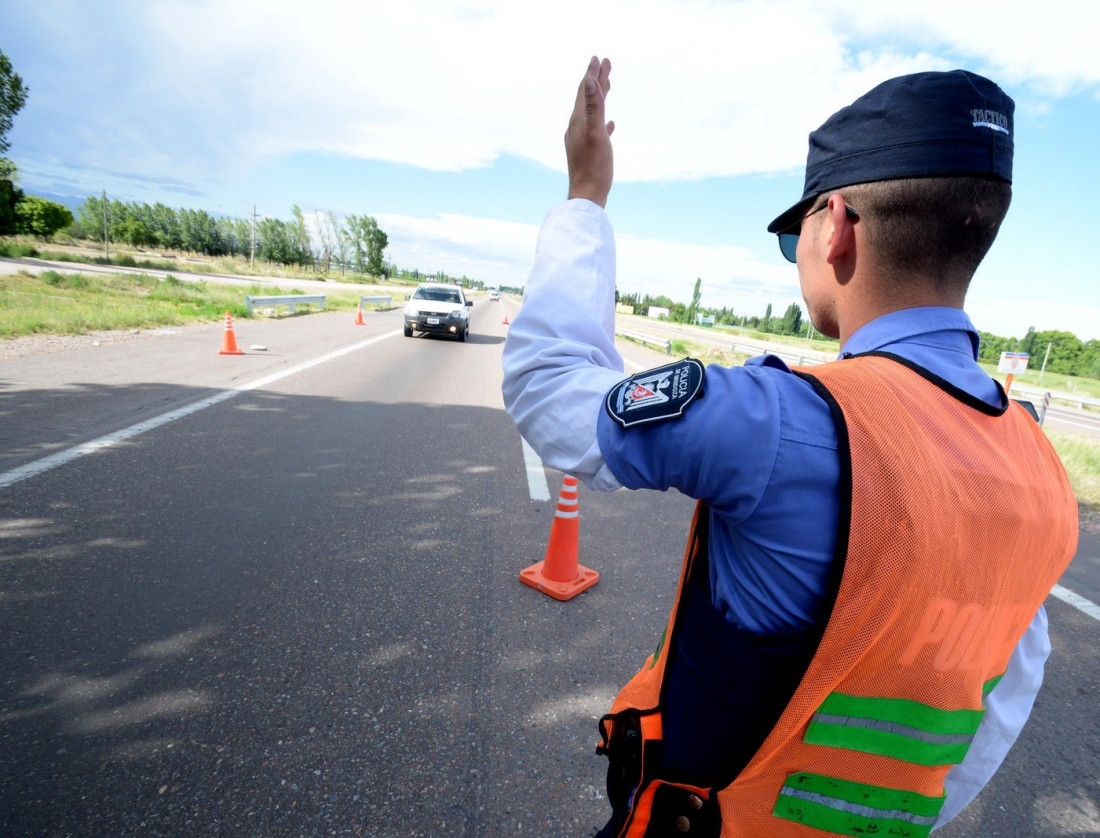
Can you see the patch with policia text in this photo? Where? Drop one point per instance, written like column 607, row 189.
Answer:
column 656, row 395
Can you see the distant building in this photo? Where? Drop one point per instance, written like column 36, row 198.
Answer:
column 623, row 308
column 657, row 312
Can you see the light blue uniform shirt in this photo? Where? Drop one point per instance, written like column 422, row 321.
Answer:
column 760, row 449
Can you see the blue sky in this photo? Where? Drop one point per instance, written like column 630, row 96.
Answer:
column 444, row 120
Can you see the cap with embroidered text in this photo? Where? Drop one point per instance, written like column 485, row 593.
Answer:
column 920, row 125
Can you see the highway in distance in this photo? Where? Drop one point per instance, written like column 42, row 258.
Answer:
column 277, row 595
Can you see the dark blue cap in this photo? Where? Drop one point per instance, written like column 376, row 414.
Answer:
column 921, row 125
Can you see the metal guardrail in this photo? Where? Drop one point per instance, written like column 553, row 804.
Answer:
column 378, row 301
column 666, row 345
column 1072, row 398
column 797, row 359
column 290, row 300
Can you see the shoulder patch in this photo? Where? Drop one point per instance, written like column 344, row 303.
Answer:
column 657, row 394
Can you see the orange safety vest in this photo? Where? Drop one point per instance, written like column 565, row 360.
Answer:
column 960, row 519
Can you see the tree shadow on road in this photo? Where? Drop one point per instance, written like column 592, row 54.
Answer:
column 287, row 614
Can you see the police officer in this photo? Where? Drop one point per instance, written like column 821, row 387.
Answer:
column 858, row 635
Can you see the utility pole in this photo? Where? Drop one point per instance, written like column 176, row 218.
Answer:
column 1045, row 359
column 106, row 238
column 252, row 251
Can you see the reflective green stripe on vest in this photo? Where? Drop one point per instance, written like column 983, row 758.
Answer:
column 846, row 808
column 660, row 646
column 894, row 727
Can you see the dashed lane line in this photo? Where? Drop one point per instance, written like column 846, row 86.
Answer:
column 1077, row 601
column 537, row 485
column 37, row 467
column 536, row 476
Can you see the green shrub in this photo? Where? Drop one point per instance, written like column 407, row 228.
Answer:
column 15, row 250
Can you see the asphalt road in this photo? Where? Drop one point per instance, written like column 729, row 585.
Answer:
column 296, row 611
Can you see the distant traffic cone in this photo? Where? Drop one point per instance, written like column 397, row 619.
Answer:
column 359, row 314
column 560, row 575
column 229, row 342
column 505, row 320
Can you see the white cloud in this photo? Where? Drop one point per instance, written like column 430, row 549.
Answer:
column 494, row 252
column 699, row 88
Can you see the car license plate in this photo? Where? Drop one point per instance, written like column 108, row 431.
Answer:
column 432, row 321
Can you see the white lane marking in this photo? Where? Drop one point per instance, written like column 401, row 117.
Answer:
column 1077, row 601
column 7, row 478
column 536, row 475
column 1060, row 419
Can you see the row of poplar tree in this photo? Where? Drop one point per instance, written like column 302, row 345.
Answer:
column 354, row 243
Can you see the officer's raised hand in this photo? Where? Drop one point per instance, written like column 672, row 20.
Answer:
column 588, row 137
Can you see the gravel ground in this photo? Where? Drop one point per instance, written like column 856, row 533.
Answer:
column 51, row 344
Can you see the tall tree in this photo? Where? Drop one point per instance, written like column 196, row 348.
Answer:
column 340, row 241
column 792, row 320
column 355, row 227
column 377, row 240
column 326, row 240
column 367, row 243
column 1028, row 343
column 300, row 238
column 13, row 95
column 696, row 296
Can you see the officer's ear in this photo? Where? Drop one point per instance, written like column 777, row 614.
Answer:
column 840, row 241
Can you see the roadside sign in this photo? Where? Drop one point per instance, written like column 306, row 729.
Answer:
column 1013, row 362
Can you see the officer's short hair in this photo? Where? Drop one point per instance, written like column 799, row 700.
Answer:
column 936, row 228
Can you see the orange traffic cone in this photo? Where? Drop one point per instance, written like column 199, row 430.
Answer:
column 359, row 314
column 229, row 342
column 505, row 320
column 560, row 575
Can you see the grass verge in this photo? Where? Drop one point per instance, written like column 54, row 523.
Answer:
column 1081, row 457
column 74, row 304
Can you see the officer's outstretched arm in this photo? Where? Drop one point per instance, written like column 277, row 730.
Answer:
column 560, row 358
column 588, row 137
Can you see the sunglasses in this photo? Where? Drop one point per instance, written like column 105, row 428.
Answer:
column 788, row 239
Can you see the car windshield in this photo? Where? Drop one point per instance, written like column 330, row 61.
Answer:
column 437, row 295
